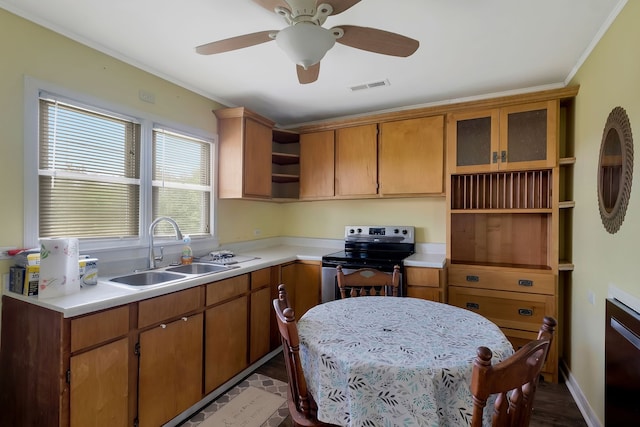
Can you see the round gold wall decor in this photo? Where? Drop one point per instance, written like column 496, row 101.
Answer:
column 615, row 169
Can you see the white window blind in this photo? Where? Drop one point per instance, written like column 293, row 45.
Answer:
column 89, row 172
column 181, row 182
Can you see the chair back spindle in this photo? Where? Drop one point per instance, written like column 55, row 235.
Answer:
column 513, row 380
column 368, row 281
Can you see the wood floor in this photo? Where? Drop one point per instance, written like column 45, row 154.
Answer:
column 553, row 406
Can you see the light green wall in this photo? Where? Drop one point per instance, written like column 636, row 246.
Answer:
column 327, row 219
column 610, row 77
column 29, row 49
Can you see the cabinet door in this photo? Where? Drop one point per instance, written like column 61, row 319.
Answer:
column 257, row 159
column 528, row 135
column 473, row 141
column 170, row 371
column 411, row 156
column 357, row 161
column 259, row 343
column 99, row 390
column 317, row 160
column 302, row 280
column 425, row 283
column 225, row 342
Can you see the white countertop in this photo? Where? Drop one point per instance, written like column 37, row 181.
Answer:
column 106, row 295
column 432, row 260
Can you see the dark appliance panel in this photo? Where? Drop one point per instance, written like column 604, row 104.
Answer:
column 622, row 365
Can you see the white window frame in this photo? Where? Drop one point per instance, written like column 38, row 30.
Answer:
column 32, row 89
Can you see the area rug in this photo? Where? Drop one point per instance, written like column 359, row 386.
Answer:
column 258, row 401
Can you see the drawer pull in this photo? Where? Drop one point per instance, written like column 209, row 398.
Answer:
column 471, row 278
column 473, row 305
column 525, row 282
column 525, row 312
column 163, row 326
column 184, row 319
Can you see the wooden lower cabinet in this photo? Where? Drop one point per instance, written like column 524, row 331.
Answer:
column 226, row 331
column 519, row 314
column 142, row 363
column 302, row 280
column 170, row 372
column 99, row 390
column 260, row 314
column 426, row 283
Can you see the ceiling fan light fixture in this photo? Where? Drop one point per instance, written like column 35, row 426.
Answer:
column 305, row 43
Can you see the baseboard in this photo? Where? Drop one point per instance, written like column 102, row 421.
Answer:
column 583, row 405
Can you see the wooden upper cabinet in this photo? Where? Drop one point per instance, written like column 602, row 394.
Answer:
column 357, row 161
column 515, row 137
column 411, row 156
column 317, row 165
column 244, row 166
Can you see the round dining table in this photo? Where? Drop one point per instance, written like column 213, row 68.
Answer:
column 393, row 361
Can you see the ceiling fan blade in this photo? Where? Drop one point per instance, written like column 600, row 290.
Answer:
column 377, row 41
column 270, row 5
column 234, row 43
column 309, row 75
column 339, row 6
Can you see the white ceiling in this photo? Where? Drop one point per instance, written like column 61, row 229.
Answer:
column 468, row 49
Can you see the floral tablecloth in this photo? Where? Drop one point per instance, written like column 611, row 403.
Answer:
column 389, row 361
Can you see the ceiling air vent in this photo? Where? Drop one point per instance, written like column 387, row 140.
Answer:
column 371, row 85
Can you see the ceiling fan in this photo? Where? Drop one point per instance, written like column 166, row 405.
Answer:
column 306, row 42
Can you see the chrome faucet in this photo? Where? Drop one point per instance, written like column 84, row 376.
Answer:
column 152, row 227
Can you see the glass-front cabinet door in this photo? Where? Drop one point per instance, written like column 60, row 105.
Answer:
column 473, row 139
column 516, row 137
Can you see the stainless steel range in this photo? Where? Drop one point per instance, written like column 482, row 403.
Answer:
column 379, row 247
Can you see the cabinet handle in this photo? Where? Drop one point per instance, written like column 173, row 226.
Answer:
column 185, row 319
column 473, row 305
column 525, row 312
column 503, row 156
column 495, row 157
column 525, row 282
column 163, row 326
column 471, row 278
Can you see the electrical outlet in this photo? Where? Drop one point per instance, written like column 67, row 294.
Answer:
column 256, row 232
column 591, row 297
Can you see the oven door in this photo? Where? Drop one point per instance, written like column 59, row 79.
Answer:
column 330, row 283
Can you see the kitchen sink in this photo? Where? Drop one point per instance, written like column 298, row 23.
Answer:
column 148, row 278
column 197, row 268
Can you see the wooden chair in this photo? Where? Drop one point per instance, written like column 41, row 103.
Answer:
column 302, row 407
column 368, row 281
column 514, row 380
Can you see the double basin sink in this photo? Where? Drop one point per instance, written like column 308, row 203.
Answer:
column 168, row 274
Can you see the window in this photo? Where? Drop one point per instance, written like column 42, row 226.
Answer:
column 89, row 173
column 181, row 181
column 103, row 175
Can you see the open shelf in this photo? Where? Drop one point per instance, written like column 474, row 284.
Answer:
column 285, row 170
column 502, row 190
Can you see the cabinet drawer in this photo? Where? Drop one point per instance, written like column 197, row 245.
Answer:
column 260, row 278
column 515, row 310
column 418, row 276
column 516, row 280
column 227, row 288
column 168, row 306
column 99, row 327
column 423, row 292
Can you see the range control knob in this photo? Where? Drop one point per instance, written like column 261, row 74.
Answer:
column 396, row 231
column 351, row 231
column 405, row 231
column 359, row 230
